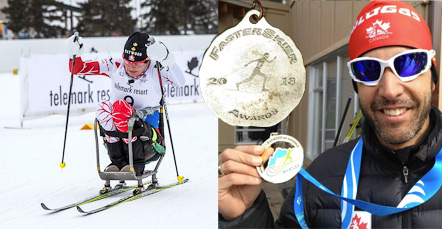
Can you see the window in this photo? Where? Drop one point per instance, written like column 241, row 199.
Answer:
column 329, row 90
column 253, row 135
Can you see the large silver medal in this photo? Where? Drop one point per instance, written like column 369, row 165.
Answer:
column 252, row 74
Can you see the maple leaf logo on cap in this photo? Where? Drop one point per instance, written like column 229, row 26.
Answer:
column 378, row 28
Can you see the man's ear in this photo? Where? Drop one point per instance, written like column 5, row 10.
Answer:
column 433, row 86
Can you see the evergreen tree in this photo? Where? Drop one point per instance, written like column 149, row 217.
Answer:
column 35, row 18
column 180, row 17
column 163, row 16
column 106, row 18
column 13, row 13
column 202, row 16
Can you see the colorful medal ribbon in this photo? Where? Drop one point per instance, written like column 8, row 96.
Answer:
column 423, row 190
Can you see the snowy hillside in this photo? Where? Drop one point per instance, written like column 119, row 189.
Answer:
column 30, row 172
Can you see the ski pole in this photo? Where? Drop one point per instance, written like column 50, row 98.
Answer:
column 342, row 120
column 163, row 104
column 63, row 164
column 353, row 127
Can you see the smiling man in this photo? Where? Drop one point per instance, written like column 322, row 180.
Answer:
column 392, row 66
column 397, row 111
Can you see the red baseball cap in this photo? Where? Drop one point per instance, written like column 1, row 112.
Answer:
column 389, row 23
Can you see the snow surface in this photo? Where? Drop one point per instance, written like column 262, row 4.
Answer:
column 30, row 172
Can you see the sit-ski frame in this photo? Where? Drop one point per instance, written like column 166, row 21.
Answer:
column 123, row 176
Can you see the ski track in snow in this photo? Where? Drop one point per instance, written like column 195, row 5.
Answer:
column 30, row 172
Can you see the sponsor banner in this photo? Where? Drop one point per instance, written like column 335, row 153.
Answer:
column 187, row 63
column 45, row 81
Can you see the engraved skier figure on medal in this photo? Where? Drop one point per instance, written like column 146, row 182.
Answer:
column 257, row 71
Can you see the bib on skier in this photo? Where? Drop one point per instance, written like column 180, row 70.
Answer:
column 252, row 74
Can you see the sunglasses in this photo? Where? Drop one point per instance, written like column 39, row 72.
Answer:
column 136, row 63
column 406, row 66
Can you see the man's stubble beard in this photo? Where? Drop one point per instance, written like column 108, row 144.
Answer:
column 390, row 136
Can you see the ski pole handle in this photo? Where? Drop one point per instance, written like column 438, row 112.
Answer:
column 76, row 40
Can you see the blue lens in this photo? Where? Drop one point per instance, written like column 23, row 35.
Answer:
column 366, row 70
column 410, row 64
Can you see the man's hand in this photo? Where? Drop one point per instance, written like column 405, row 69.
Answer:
column 240, row 185
column 74, row 46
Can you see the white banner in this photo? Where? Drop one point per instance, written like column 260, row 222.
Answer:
column 188, row 64
column 45, row 81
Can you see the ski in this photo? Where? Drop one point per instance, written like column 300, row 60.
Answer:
column 117, row 190
column 145, row 192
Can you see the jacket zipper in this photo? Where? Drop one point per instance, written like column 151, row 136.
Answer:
column 406, row 215
column 405, row 172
